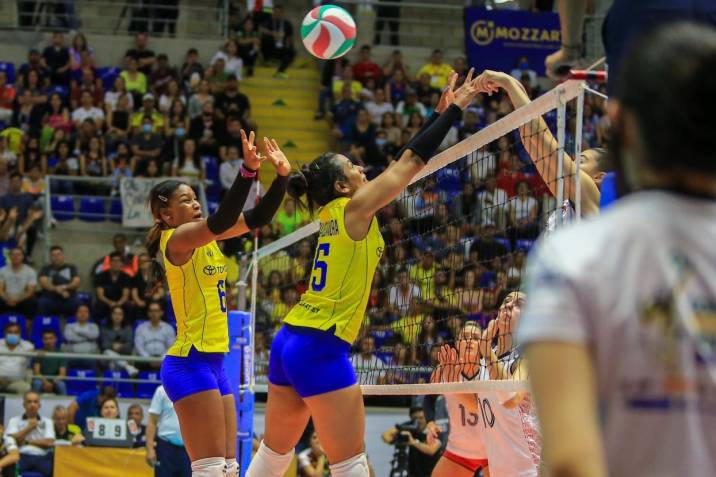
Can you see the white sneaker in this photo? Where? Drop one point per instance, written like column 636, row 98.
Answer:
column 132, row 371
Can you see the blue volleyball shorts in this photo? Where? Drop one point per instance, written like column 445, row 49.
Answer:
column 311, row 361
column 194, row 373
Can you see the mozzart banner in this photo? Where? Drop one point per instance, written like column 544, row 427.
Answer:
column 496, row 39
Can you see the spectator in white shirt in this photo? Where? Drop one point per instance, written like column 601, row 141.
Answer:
column 378, row 106
column 9, row 455
column 232, row 61
column 368, row 366
column 35, row 435
column 523, row 213
column 82, row 337
column 228, row 171
column 493, row 204
column 402, row 294
column 18, row 284
column 153, row 337
column 87, row 111
column 163, row 424
column 13, row 369
column 5, row 153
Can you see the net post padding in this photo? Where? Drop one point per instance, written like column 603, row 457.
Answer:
column 545, row 103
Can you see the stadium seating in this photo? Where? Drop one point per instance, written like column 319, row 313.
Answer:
column 61, row 90
column 62, row 207
column 92, row 209
column 145, row 390
column 42, row 323
column 124, row 389
column 108, row 75
column 7, row 318
column 9, row 69
column 75, row 386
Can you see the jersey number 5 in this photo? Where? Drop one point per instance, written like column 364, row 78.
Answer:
column 222, row 295
column 319, row 283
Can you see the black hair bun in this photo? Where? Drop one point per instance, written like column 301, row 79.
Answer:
column 297, row 185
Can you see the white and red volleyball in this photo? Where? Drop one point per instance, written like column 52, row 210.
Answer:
column 328, row 32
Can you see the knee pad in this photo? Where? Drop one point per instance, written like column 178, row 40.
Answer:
column 232, row 468
column 267, row 463
column 356, row 466
column 209, row 467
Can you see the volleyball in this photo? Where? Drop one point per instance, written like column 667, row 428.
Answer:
column 328, row 32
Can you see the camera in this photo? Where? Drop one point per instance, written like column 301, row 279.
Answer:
column 409, row 426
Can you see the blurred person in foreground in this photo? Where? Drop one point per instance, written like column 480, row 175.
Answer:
column 637, row 343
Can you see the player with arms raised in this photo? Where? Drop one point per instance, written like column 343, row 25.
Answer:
column 310, row 373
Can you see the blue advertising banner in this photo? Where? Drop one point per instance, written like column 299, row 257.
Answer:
column 496, row 39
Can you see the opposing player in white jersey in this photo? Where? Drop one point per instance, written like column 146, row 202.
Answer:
column 510, row 430
column 465, row 452
column 542, row 148
column 619, row 330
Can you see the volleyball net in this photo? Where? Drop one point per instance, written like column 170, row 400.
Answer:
column 447, row 287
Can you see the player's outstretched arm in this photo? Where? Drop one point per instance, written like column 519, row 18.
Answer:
column 541, row 145
column 386, row 187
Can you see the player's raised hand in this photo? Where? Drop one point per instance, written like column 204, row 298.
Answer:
column 448, row 95
column 465, row 93
column 490, row 81
column 277, row 157
column 252, row 156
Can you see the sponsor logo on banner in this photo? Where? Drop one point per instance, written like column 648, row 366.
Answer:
column 496, row 39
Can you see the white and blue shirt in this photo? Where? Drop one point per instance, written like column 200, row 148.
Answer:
column 168, row 425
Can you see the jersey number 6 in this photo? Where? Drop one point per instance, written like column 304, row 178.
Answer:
column 321, row 266
column 222, row 295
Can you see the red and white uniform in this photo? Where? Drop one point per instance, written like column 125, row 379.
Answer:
column 464, row 444
column 511, row 436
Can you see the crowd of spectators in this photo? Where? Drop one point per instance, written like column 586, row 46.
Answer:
column 66, row 116
column 124, row 316
column 62, row 113
column 29, row 440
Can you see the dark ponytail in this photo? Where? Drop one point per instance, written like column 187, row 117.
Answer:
column 317, row 181
column 158, row 199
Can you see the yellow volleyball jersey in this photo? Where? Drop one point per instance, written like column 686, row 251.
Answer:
column 198, row 292
column 340, row 281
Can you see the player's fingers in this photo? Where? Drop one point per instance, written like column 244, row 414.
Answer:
column 452, row 80
column 252, row 136
column 275, row 145
column 470, row 72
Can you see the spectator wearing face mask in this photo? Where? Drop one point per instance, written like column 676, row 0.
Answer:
column 146, row 146
column 13, row 369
